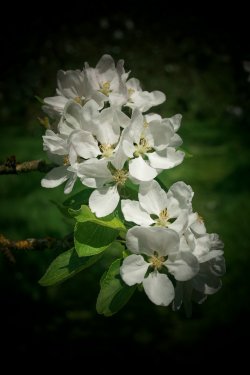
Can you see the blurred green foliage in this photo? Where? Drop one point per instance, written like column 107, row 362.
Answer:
column 203, row 77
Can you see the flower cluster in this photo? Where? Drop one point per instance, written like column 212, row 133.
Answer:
column 100, row 134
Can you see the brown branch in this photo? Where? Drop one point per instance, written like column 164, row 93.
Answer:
column 7, row 245
column 11, row 166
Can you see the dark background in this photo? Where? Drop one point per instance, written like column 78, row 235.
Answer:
column 196, row 57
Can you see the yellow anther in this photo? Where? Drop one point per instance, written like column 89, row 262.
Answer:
column 107, row 150
column 105, row 88
column 156, row 261
column 120, row 176
column 142, row 147
column 79, row 100
column 162, row 221
column 66, row 160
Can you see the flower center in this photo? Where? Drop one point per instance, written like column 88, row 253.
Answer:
column 79, row 100
column 142, row 147
column 162, row 221
column 66, row 160
column 105, row 88
column 156, row 261
column 120, row 176
column 130, row 93
column 107, row 150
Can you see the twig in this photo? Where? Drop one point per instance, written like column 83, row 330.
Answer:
column 7, row 245
column 11, row 166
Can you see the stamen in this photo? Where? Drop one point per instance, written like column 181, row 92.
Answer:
column 156, row 261
column 142, row 148
column 120, row 176
column 162, row 221
column 107, row 150
column 105, row 88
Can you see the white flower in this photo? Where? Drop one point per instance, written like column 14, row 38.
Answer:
column 103, row 83
column 89, row 130
column 62, row 153
column 161, row 249
column 72, row 85
column 156, row 207
column 150, row 147
column 108, row 181
column 143, row 100
column 207, row 281
column 59, row 175
column 108, row 80
column 76, row 117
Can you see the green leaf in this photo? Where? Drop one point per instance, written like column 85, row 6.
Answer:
column 129, row 191
column 94, row 235
column 91, row 238
column 84, row 214
column 114, row 293
column 65, row 266
column 76, row 200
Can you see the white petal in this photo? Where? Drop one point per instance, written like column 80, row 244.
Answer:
column 196, row 224
column 166, row 159
column 133, row 269
column 136, row 126
column 157, row 97
column 215, row 242
column 70, row 183
column 122, row 120
column 70, row 83
column 175, row 141
column 95, row 168
column 180, row 223
column 161, row 134
column 206, row 282
column 85, row 144
column 55, row 177
column 56, row 102
column 152, row 117
column 143, row 100
column 90, row 111
column 128, row 148
column 210, row 255
column 202, row 246
column 73, row 114
column 133, row 83
column 54, row 143
column 182, row 265
column 118, row 96
column 176, row 121
column 108, row 131
column 147, row 240
column 132, row 211
column 140, row 170
column 104, row 201
column 106, row 67
column 94, row 173
column 183, row 193
column 119, row 157
column 159, row 288
column 152, row 197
